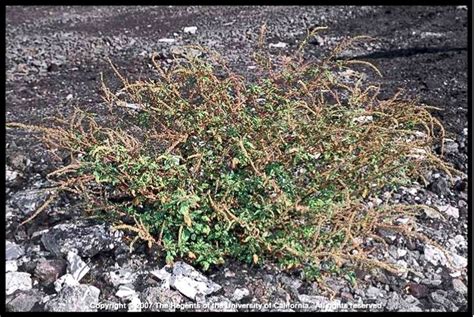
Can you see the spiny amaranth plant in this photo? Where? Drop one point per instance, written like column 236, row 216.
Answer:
column 210, row 165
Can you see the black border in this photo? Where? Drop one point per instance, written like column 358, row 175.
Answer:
column 320, row 2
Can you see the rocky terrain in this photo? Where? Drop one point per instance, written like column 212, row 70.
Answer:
column 64, row 260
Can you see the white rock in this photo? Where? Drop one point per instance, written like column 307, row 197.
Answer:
column 433, row 214
column 13, row 251
column 188, row 287
column 450, row 211
column 190, row 29
column 163, row 275
column 431, row 34
column 458, row 242
column 278, row 45
column 165, row 40
column 402, row 264
column 321, row 302
column 65, row 280
column 11, row 266
column 403, row 221
column 121, row 277
column 77, row 268
column 420, row 134
column 17, row 281
column 125, row 292
column 190, row 282
column 458, row 261
column 434, row 255
column 459, row 286
column 240, row 293
column 401, row 252
column 10, row 176
column 363, row 119
column 78, row 298
column 417, row 153
column 412, row 191
column 133, row 106
column 461, row 7
column 135, row 305
column 373, row 292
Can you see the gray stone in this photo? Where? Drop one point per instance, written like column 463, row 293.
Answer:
column 190, row 282
column 431, row 281
column 401, row 253
column 30, row 200
column 431, row 213
column 86, row 239
column 240, row 293
column 160, row 299
column 450, row 146
column 319, row 303
column 121, row 277
column 135, row 304
column 373, row 292
column 458, row 261
column 449, row 210
column 363, row 119
column 440, row 186
column 11, row 266
column 220, row 304
column 48, row 271
column 440, row 297
column 125, row 292
column 76, row 267
column 166, row 40
column 291, row 282
column 185, row 52
column 394, row 302
column 23, row 301
column 18, row 161
column 65, row 280
column 17, row 281
column 10, row 176
column 78, row 298
column 163, row 275
column 13, row 251
column 459, row 286
column 458, row 242
column 278, row 45
column 410, row 308
column 410, row 299
column 434, row 255
column 190, row 29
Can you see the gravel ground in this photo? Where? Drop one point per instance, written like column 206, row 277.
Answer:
column 63, row 261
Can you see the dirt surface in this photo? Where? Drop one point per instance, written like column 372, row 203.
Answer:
column 55, row 57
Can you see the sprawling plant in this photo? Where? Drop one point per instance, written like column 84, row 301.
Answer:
column 211, row 165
